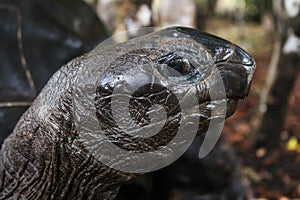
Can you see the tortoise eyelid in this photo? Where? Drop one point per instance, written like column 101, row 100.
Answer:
column 167, row 58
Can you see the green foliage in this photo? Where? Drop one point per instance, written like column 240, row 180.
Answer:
column 201, row 3
column 255, row 9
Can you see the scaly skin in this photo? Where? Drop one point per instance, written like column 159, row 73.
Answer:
column 44, row 158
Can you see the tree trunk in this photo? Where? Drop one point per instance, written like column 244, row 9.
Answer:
column 281, row 80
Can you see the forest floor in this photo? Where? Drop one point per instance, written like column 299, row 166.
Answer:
column 274, row 174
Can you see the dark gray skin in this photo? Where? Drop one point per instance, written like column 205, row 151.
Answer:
column 44, row 159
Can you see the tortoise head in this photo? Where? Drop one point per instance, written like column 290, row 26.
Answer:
column 174, row 80
column 128, row 108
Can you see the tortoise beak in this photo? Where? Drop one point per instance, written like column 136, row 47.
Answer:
column 244, row 64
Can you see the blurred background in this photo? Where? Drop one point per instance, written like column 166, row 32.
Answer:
column 258, row 156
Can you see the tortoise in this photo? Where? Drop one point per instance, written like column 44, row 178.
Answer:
column 53, row 152
column 35, row 42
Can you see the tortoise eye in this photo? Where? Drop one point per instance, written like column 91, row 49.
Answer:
column 180, row 65
column 177, row 68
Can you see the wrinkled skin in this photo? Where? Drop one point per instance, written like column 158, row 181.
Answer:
column 44, row 157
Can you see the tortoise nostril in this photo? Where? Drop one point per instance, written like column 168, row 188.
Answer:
column 239, row 56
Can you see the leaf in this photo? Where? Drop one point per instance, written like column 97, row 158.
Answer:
column 292, row 144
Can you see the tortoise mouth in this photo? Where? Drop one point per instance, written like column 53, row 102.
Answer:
column 218, row 106
column 210, row 110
